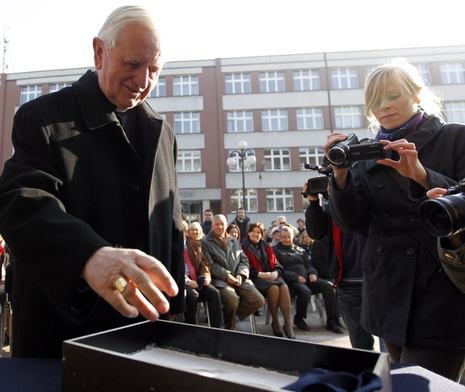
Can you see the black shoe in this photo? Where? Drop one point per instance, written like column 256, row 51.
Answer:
column 279, row 334
column 301, row 324
column 287, row 335
column 335, row 326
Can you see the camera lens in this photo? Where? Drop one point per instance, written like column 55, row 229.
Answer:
column 443, row 217
column 337, row 155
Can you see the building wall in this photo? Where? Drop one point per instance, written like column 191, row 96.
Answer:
column 211, row 187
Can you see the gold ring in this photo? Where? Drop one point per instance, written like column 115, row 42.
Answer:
column 120, row 284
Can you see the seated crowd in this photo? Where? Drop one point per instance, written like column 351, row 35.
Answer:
column 234, row 268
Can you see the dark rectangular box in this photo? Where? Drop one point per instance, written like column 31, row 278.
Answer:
column 108, row 361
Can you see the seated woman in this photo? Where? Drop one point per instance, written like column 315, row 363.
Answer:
column 265, row 272
column 234, row 231
column 198, row 280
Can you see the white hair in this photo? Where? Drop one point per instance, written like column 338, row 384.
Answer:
column 120, row 18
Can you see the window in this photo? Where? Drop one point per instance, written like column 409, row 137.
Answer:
column 348, row 117
column 238, row 83
column 455, row 111
column 279, row 200
column 58, row 86
column 240, row 121
column 271, row 82
column 274, row 120
column 277, row 159
column 312, row 155
column 452, row 73
column 160, row 88
column 251, row 200
column 188, row 161
column 344, row 78
column 185, row 85
column 424, row 72
column 29, row 93
column 192, row 211
column 309, row 118
column 306, row 80
column 186, row 122
column 237, row 166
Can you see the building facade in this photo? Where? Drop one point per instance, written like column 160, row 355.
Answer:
column 283, row 106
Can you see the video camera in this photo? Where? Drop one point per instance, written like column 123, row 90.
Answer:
column 343, row 154
column 445, row 216
column 318, row 184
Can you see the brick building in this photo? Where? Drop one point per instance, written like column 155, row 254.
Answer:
column 283, row 106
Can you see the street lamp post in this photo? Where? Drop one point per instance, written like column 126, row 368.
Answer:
column 245, row 157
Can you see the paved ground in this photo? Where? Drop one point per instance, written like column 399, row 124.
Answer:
column 317, row 334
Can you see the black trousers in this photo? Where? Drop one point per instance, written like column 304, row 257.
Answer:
column 211, row 296
column 447, row 362
column 304, row 291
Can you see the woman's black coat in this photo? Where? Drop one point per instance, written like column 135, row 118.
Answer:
column 407, row 297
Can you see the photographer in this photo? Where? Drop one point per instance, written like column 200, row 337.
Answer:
column 344, row 252
column 408, row 300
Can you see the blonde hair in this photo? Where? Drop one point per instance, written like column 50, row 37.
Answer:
column 198, row 227
column 408, row 79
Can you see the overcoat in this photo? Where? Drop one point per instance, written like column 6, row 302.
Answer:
column 408, row 299
column 197, row 258
column 231, row 260
column 74, row 185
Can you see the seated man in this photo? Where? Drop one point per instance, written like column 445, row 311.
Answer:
column 229, row 267
column 302, row 279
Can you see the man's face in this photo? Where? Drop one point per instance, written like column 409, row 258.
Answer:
column 128, row 72
column 240, row 214
column 219, row 227
column 208, row 216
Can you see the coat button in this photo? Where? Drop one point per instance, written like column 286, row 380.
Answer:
column 380, row 249
column 412, row 218
column 410, row 251
column 380, row 185
column 135, row 185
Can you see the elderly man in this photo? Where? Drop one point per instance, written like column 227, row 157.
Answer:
column 89, row 201
column 230, row 272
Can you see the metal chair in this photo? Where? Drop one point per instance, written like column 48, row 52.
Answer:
column 204, row 305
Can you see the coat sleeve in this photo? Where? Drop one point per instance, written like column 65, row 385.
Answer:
column 35, row 222
column 317, row 221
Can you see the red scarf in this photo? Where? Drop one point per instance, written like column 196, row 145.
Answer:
column 187, row 259
column 337, row 241
column 255, row 263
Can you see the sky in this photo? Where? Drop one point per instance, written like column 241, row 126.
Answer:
column 57, row 34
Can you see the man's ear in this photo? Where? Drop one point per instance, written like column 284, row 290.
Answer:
column 98, row 52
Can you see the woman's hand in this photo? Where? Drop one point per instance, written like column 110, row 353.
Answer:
column 192, row 283
column 436, row 192
column 454, row 241
column 340, row 175
column 408, row 164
